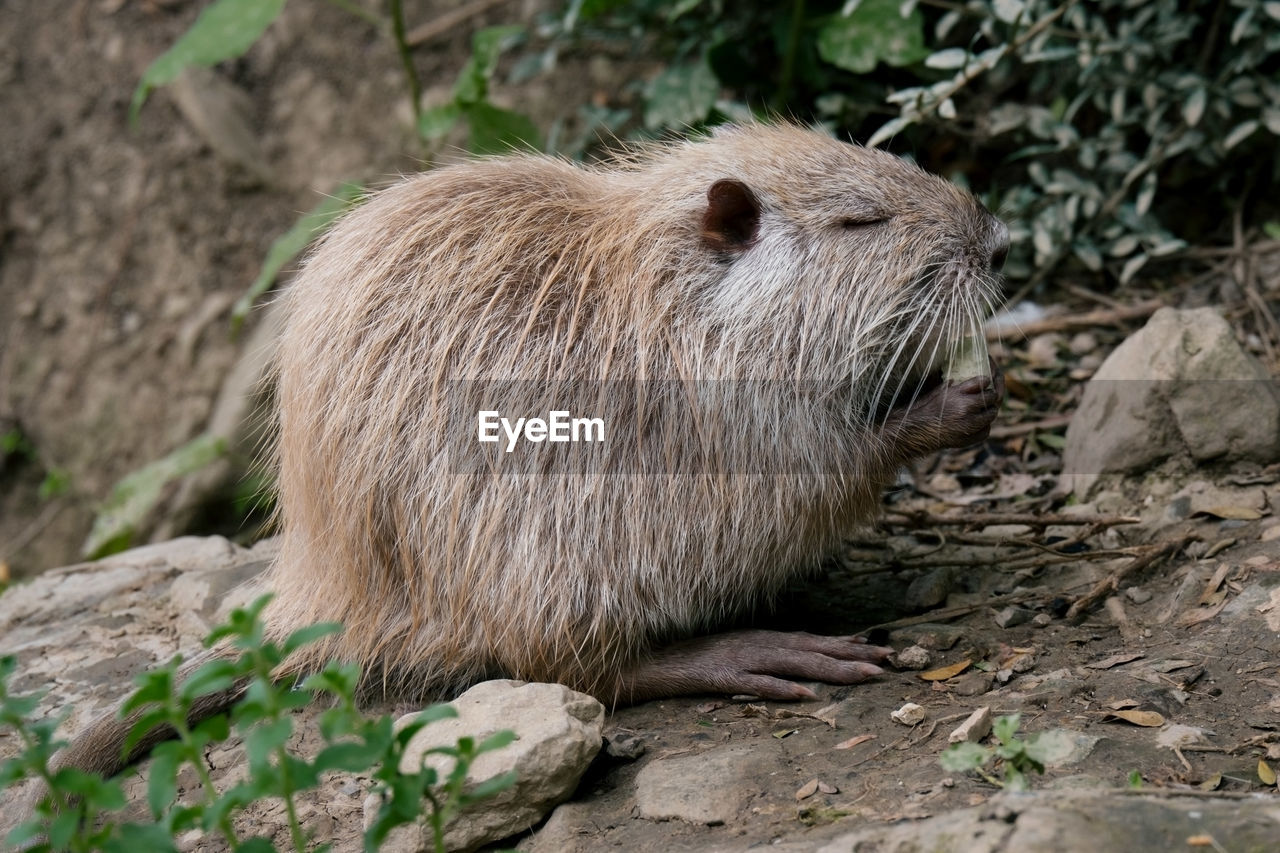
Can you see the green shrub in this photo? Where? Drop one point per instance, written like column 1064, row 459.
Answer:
column 81, row 810
column 1108, row 132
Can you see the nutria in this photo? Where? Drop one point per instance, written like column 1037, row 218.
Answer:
column 759, row 318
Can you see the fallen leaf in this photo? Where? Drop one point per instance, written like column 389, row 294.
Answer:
column 808, row 789
column 1171, row 665
column 1122, row 704
column 1200, row 614
column 1265, row 773
column 1232, row 513
column 1175, row 736
column 1115, row 660
column 1203, row 841
column 1218, row 547
column 1211, row 588
column 1212, row 783
column 854, row 741
column 1150, row 719
column 781, row 733
column 943, row 673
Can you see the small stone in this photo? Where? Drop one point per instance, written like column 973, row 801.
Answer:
column 627, row 746
column 557, row 736
column 974, row 728
column 710, row 788
column 973, row 683
column 909, row 714
column 1082, row 343
column 1042, row 620
column 1013, row 615
column 1137, row 595
column 929, row 590
column 912, row 658
column 1043, row 350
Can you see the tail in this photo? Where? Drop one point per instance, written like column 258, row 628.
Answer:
column 100, row 748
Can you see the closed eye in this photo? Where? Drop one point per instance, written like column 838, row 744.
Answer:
column 852, row 222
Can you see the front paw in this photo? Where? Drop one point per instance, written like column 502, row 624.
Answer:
column 950, row 415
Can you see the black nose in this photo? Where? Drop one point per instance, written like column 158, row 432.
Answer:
column 1000, row 241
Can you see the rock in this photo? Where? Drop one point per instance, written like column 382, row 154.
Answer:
column 1063, row 747
column 710, row 788
column 975, row 727
column 912, row 658
column 928, row 635
column 1075, row 820
column 909, row 714
column 1181, row 384
column 623, row 745
column 1013, row 615
column 1082, row 343
column 929, row 590
column 558, row 733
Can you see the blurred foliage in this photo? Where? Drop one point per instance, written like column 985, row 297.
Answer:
column 1106, row 132
column 82, row 811
column 494, row 130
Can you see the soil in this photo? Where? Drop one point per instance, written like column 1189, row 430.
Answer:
column 124, row 248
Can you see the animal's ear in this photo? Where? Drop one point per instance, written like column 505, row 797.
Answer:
column 732, row 216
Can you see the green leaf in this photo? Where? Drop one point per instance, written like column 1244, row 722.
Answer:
column 212, row 677
column 133, row 837
column 497, row 740
column 491, row 786
column 162, row 779
column 681, row 96
column 224, row 30
column 964, row 757
column 265, row 738
column 145, row 724
column 136, row 496
column 472, row 86
column 290, row 244
column 437, row 121
column 309, row 634
column 498, row 131
column 873, row 32
column 1006, row 727
column 352, row 757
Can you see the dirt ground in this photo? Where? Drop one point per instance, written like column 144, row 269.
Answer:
column 123, row 250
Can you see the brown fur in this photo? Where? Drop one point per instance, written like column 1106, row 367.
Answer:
column 858, row 273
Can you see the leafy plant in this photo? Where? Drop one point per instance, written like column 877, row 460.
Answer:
column 1107, row 132
column 1016, row 758
column 494, row 130
column 134, row 497
column 81, row 810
